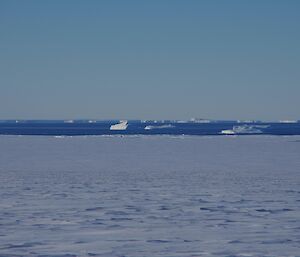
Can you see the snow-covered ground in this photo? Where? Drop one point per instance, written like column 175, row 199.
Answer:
column 149, row 196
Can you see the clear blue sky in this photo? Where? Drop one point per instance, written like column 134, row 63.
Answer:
column 150, row 59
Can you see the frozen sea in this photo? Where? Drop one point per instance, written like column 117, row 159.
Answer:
column 149, row 196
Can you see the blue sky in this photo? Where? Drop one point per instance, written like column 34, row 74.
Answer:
column 150, row 59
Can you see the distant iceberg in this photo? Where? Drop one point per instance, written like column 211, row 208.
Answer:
column 255, row 129
column 288, row 121
column 248, row 121
column 159, row 127
column 120, row 126
column 228, row 132
column 196, row 120
column 68, row 121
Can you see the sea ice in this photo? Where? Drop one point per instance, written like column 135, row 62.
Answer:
column 149, row 196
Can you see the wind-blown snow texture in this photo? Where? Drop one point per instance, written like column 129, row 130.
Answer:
column 149, row 196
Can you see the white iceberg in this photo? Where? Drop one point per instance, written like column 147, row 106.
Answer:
column 122, row 125
column 159, row 127
column 256, row 129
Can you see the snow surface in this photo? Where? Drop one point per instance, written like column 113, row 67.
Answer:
column 149, row 196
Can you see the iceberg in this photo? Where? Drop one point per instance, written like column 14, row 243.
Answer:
column 288, row 121
column 122, row 125
column 159, row 127
column 256, row 129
